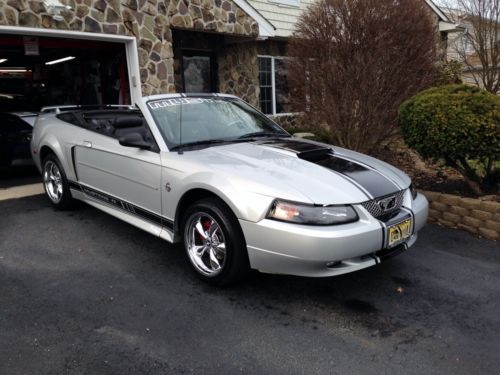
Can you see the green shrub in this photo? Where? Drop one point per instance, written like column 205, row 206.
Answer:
column 459, row 124
column 449, row 72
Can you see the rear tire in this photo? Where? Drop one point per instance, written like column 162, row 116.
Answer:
column 56, row 184
column 214, row 243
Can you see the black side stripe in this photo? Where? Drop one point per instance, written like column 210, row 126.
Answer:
column 373, row 182
column 74, row 185
column 124, row 206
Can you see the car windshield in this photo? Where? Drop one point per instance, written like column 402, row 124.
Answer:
column 210, row 120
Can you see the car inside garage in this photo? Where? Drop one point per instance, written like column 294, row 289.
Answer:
column 38, row 71
column 42, row 71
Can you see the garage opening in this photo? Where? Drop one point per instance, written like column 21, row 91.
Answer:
column 42, row 71
column 45, row 68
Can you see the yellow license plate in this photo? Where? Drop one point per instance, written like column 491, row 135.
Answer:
column 399, row 232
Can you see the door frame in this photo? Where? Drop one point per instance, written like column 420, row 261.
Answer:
column 129, row 42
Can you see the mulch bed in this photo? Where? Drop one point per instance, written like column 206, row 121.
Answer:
column 427, row 175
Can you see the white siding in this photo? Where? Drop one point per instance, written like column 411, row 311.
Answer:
column 283, row 17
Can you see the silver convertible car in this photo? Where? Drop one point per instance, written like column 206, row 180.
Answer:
column 240, row 192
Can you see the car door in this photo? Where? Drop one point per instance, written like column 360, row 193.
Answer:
column 126, row 177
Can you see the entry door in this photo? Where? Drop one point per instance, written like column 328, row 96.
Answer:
column 126, row 173
column 198, row 72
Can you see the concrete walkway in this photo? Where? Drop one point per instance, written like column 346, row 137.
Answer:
column 21, row 191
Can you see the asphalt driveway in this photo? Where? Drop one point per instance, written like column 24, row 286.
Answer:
column 81, row 292
column 10, row 177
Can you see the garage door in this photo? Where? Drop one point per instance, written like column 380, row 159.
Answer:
column 42, row 71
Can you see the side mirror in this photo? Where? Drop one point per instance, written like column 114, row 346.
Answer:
column 134, row 140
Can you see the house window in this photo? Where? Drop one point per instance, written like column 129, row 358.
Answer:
column 274, row 94
column 266, row 84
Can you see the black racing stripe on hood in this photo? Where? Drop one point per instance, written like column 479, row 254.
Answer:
column 372, row 181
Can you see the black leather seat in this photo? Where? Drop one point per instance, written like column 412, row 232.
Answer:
column 102, row 126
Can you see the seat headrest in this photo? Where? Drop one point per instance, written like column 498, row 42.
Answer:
column 127, row 122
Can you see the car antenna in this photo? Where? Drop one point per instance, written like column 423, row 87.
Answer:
column 180, row 152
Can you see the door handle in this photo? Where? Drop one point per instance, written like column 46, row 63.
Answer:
column 87, row 144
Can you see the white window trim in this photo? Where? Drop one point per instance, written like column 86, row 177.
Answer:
column 273, row 85
column 130, row 49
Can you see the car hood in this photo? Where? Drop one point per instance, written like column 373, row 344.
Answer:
column 300, row 170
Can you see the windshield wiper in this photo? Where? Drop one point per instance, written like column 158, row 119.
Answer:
column 243, row 138
column 263, row 134
column 200, row 143
column 205, row 142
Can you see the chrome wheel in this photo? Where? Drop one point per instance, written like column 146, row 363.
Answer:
column 53, row 181
column 205, row 244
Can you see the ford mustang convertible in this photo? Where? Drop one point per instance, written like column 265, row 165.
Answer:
column 239, row 192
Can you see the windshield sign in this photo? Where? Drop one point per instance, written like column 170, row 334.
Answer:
column 162, row 103
column 197, row 121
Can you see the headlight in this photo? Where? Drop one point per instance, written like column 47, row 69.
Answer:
column 413, row 191
column 311, row 215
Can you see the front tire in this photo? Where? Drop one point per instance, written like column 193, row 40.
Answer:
column 56, row 184
column 214, row 242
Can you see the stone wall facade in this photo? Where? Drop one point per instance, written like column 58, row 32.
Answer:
column 238, row 71
column 476, row 216
column 150, row 21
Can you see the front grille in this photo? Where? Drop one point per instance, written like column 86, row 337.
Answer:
column 376, row 211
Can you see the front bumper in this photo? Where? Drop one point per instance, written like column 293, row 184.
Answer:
column 315, row 251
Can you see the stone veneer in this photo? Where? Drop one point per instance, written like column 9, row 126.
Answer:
column 239, row 72
column 477, row 216
column 150, row 21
